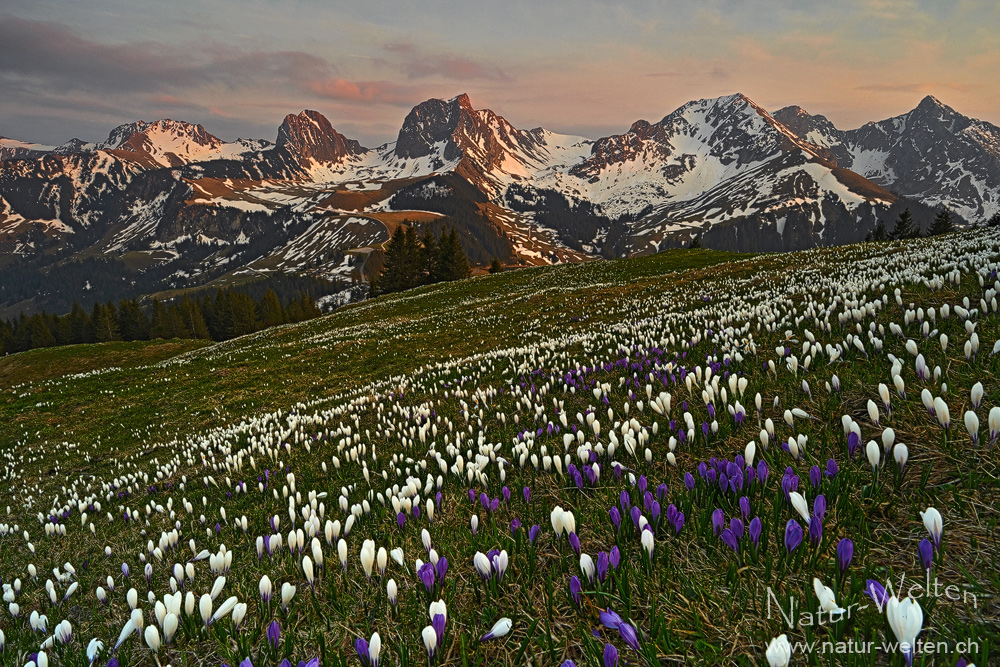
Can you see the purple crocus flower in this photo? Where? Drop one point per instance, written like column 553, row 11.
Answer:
column 624, row 501
column 426, row 574
column 689, row 481
column 438, row 623
column 845, row 554
column 274, row 634
column 361, row 646
column 831, row 468
column 926, row 551
column 125, row 570
column 853, row 442
column 246, row 663
column 789, row 483
column 819, row 506
column 793, row 535
column 602, row 566
column 610, row 656
column 533, row 533
column 744, row 506
column 575, row 589
column 736, row 525
column 441, row 568
column 527, row 494
column 614, row 557
column 718, row 521
column 755, row 530
column 762, row 471
column 401, row 520
column 876, row 592
column 678, row 523
column 636, row 514
column 730, row 539
column 629, row 635
column 815, row 476
column 515, row 526
column 816, row 530
column 574, row 541
column 610, row 619
column 616, row 517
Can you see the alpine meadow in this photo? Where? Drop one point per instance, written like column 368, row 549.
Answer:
column 397, row 336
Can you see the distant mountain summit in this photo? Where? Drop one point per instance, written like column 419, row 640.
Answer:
column 311, row 137
column 177, row 206
column 932, row 154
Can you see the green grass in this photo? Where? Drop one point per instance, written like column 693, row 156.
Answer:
column 42, row 405
column 451, row 348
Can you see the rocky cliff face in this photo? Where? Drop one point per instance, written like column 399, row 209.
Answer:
column 184, row 203
column 932, row 154
column 311, row 137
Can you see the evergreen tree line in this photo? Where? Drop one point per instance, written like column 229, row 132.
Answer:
column 221, row 316
column 411, row 261
column 907, row 228
column 459, row 202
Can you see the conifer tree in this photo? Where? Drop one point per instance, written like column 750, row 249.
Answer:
column 452, row 261
column 878, row 234
column 160, row 325
column 132, row 322
column 942, row 223
column 428, row 258
column 393, row 272
column 413, row 264
column 905, row 227
column 39, row 334
column 81, row 326
column 271, row 311
column 106, row 322
column 192, row 319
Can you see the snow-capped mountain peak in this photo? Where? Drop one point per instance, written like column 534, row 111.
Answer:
column 310, row 137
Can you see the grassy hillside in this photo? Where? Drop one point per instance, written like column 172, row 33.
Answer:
column 674, row 404
column 141, row 388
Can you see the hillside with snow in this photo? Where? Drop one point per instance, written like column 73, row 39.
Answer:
column 176, row 206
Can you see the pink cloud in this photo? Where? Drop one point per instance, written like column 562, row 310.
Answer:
column 367, row 92
column 419, row 63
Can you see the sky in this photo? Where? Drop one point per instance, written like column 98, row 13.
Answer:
column 586, row 67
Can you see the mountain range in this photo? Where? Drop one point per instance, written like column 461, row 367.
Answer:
column 165, row 205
